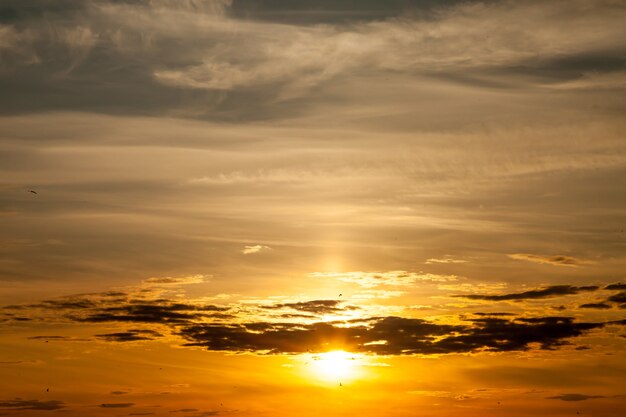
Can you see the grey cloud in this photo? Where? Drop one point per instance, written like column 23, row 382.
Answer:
column 618, row 298
column 574, row 397
column 599, row 306
column 130, row 335
column 558, row 260
column 209, row 327
column 494, row 314
column 332, row 11
column 19, row 404
column 146, row 312
column 133, row 65
column 389, row 336
column 314, row 306
column 102, row 307
column 548, row 292
column 618, row 286
column 116, row 405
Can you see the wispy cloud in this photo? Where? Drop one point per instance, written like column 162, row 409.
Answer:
column 176, row 281
column 551, row 291
column 556, row 260
column 445, row 260
column 574, row 397
column 388, row 278
column 248, row 250
column 19, row 404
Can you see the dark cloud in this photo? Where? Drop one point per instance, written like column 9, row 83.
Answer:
column 599, row 306
column 19, row 404
column 557, row 260
column 618, row 298
column 17, row 11
column 107, row 307
column 130, row 335
column 618, row 286
column 389, row 336
column 574, row 397
column 493, row 314
column 116, row 405
column 568, row 68
column 70, row 55
column 64, row 304
column 333, row 11
column 113, row 294
column 314, row 306
column 207, row 326
column 158, row 311
column 551, row 291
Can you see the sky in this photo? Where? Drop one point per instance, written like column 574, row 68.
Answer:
column 276, row 208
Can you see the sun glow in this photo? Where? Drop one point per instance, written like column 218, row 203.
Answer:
column 337, row 365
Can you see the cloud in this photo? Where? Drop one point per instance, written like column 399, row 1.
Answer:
column 102, row 307
column 598, row 306
column 548, row 292
column 314, row 306
column 389, row 278
column 255, row 327
column 445, row 260
column 175, row 281
column 556, row 260
column 618, row 298
column 160, row 311
column 19, row 404
column 618, row 286
column 268, row 62
column 130, row 335
column 389, row 336
column 27, row 362
column 116, row 405
column 574, row 397
column 247, row 250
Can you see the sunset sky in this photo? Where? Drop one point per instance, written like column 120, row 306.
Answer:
column 403, row 208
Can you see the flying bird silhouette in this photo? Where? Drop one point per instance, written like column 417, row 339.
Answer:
column 32, row 191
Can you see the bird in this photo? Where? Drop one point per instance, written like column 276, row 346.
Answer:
column 32, row 191
column 340, row 295
column 47, row 389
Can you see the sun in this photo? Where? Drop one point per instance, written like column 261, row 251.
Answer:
column 336, row 366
